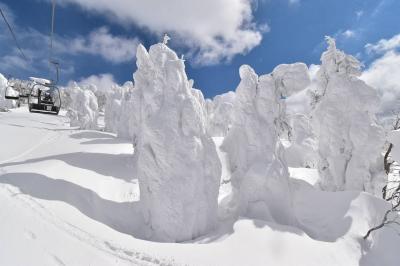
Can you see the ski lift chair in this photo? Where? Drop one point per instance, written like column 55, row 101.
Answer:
column 44, row 98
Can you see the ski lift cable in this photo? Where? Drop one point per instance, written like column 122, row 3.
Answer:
column 53, row 8
column 53, row 62
column 13, row 35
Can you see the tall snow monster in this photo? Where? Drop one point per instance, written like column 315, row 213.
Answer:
column 349, row 139
column 176, row 161
column 260, row 177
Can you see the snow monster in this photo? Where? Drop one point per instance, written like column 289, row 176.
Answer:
column 349, row 140
column 175, row 160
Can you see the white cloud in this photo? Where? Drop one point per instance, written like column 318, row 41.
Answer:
column 384, row 45
column 115, row 49
column 294, row 2
column 384, row 74
column 213, row 30
column 348, row 34
column 103, row 81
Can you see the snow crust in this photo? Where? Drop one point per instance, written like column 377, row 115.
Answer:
column 175, row 160
column 349, row 139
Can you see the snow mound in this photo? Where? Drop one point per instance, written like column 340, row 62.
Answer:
column 175, row 160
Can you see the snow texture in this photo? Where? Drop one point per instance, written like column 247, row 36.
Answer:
column 394, row 138
column 83, row 111
column 349, row 140
column 121, row 111
column 291, row 78
column 302, row 149
column 175, row 160
column 220, row 114
column 259, row 172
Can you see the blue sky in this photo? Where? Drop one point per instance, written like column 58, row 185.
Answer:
column 216, row 36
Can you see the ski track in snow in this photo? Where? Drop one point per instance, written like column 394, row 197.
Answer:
column 29, row 204
column 138, row 258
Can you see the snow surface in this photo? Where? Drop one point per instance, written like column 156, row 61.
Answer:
column 69, row 197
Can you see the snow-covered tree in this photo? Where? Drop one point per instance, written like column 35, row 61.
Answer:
column 349, row 140
column 260, row 177
column 121, row 110
column 112, row 109
column 5, row 103
column 220, row 114
column 176, row 161
column 83, row 111
column 100, row 95
column 301, row 151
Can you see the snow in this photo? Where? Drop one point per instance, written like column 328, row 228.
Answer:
column 77, row 188
column 83, row 109
column 349, row 139
column 220, row 114
column 259, row 173
column 212, row 175
column 175, row 160
column 4, row 103
column 394, row 138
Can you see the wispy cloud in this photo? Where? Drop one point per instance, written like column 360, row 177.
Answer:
column 115, row 49
column 384, row 45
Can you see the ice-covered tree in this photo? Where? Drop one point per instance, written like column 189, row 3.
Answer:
column 301, row 151
column 121, row 110
column 220, row 114
column 349, row 140
column 83, row 111
column 5, row 103
column 113, row 109
column 176, row 161
column 260, row 177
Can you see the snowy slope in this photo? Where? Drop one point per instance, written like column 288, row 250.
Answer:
column 68, row 197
